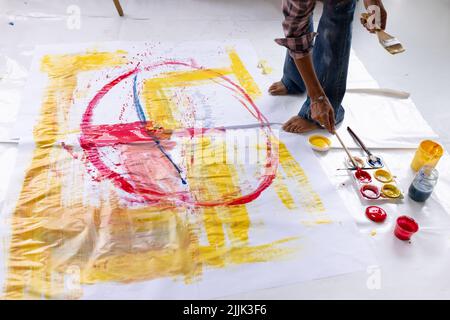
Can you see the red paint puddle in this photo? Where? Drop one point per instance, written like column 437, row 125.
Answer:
column 376, row 214
column 363, row 176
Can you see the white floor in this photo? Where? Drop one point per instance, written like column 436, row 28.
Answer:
column 423, row 70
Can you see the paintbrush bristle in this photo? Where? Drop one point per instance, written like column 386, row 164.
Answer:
column 390, row 43
column 395, row 49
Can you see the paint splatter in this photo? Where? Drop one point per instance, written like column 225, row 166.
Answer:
column 113, row 206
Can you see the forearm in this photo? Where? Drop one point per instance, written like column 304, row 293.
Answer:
column 306, row 68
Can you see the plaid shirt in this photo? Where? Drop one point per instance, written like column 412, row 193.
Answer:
column 297, row 14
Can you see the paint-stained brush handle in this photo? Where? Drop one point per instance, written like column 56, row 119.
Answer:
column 346, row 150
column 361, row 144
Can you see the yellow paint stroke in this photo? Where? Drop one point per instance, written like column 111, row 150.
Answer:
column 247, row 254
column 226, row 230
column 283, row 192
column 309, row 200
column 172, row 252
column 210, row 179
column 186, row 78
column 109, row 242
column 158, row 91
column 243, row 76
column 29, row 257
column 227, row 227
column 323, row 221
column 316, row 222
column 159, row 109
column 158, row 104
column 264, row 66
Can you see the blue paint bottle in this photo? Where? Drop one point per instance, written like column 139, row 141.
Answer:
column 423, row 184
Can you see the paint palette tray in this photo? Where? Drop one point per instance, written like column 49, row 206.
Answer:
column 375, row 184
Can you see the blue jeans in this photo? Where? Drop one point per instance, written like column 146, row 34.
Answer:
column 331, row 54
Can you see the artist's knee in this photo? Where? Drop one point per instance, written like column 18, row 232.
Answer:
column 339, row 115
column 340, row 9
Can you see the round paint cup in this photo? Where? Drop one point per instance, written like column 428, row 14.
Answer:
column 363, row 176
column 405, row 227
column 428, row 153
column 383, row 176
column 370, row 191
column 376, row 164
column 359, row 162
column 319, row 142
column 391, row 191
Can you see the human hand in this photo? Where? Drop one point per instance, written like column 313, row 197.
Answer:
column 376, row 16
column 323, row 113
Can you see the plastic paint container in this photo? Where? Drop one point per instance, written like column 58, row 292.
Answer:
column 376, row 214
column 383, row 176
column 428, row 153
column 319, row 142
column 376, row 164
column 363, row 176
column 391, row 191
column 358, row 160
column 405, row 227
column 423, row 184
column 370, row 191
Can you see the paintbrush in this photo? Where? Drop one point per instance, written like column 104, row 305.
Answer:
column 373, row 160
column 390, row 43
column 353, row 169
column 387, row 41
column 348, row 152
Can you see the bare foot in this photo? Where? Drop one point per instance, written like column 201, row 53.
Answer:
column 278, row 89
column 299, row 125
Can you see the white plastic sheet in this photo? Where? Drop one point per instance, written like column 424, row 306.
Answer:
column 103, row 208
column 415, row 270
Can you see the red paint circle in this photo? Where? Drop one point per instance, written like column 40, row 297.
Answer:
column 370, row 191
column 363, row 176
column 405, row 227
column 376, row 213
column 92, row 153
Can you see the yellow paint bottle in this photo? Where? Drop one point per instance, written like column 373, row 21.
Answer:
column 428, row 153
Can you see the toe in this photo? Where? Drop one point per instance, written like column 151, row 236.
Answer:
column 286, row 126
column 292, row 128
column 277, row 88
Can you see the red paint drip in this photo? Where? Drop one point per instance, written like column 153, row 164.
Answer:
column 69, row 149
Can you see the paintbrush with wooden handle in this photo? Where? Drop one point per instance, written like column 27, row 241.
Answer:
column 390, row 43
column 346, row 150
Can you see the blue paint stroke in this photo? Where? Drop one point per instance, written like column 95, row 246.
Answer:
column 137, row 103
column 141, row 116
